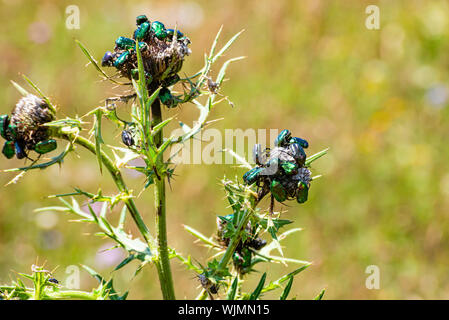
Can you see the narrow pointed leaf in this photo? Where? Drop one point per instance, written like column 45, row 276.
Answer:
column 222, row 72
column 226, row 46
column 214, row 44
column 287, row 289
column 256, row 293
column 95, row 64
column 233, row 289
column 316, row 156
column 43, row 96
column 127, row 260
column 320, row 295
column 22, row 91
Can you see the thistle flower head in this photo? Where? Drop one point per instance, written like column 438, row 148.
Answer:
column 281, row 171
column 27, row 119
column 25, row 129
column 163, row 51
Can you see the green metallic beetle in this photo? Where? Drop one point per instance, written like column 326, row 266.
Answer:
column 283, row 173
column 283, row 138
column 302, row 192
column 278, row 191
column 167, row 98
column 125, row 43
column 142, row 31
column 289, row 167
column 158, row 29
column 252, row 175
column 141, row 19
column 303, row 143
column 121, row 59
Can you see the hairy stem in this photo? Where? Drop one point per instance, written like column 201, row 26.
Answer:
column 164, row 269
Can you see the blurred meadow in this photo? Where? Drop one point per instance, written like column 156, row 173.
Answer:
column 379, row 99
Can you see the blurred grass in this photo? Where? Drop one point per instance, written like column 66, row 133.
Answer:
column 378, row 99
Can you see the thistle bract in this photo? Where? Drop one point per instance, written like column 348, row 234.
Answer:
column 243, row 255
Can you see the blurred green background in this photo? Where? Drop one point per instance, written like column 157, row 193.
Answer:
column 377, row 98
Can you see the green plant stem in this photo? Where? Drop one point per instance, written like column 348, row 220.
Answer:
column 165, row 275
column 55, row 295
column 118, row 179
column 78, row 295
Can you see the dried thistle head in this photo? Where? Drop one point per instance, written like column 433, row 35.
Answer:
column 163, row 51
column 25, row 129
column 27, row 118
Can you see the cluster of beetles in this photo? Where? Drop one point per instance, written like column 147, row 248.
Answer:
column 281, row 170
column 155, row 44
column 24, row 130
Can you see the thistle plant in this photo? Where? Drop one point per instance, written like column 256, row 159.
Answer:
column 150, row 61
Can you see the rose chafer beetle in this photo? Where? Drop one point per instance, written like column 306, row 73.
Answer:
column 278, row 191
column 9, row 149
column 283, row 173
column 142, row 31
column 252, row 175
column 283, row 138
column 158, row 29
column 167, row 98
column 121, row 59
column 303, row 143
column 289, row 167
column 302, row 192
column 141, row 19
column 125, row 43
